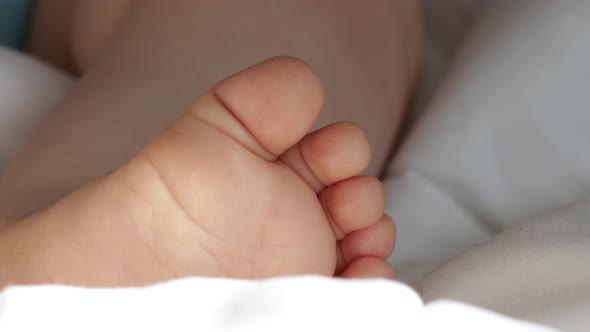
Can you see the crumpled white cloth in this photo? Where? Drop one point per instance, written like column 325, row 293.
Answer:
column 504, row 140
column 482, row 187
column 224, row 305
column 537, row 271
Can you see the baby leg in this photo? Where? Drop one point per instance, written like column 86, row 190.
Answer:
column 157, row 56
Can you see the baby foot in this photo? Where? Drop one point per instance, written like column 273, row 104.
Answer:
column 232, row 189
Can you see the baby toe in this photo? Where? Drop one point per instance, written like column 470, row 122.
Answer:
column 353, row 204
column 368, row 267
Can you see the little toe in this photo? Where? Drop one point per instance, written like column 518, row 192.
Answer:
column 353, row 204
column 368, row 267
column 329, row 155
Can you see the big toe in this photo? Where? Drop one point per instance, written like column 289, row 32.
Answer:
column 267, row 108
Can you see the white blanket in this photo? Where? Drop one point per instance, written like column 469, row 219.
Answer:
column 218, row 305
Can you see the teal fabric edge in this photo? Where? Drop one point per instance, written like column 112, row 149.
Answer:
column 15, row 20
